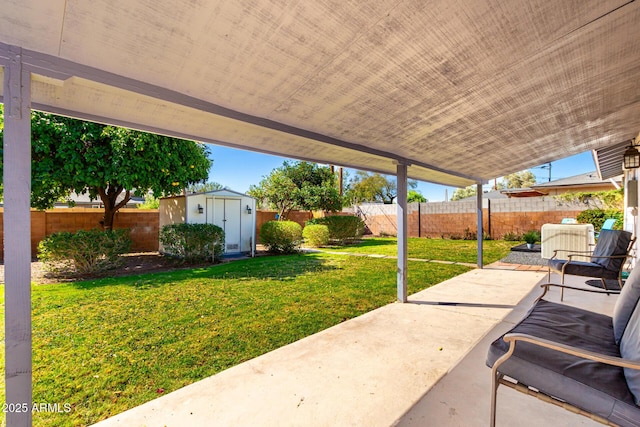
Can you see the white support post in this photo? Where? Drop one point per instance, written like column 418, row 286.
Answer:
column 17, row 240
column 480, row 233
column 402, row 232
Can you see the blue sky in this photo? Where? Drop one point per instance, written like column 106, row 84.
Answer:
column 238, row 169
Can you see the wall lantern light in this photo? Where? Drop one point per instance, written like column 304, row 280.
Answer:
column 200, row 208
column 631, row 157
column 248, row 209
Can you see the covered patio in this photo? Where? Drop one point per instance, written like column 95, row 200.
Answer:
column 414, row 364
column 450, row 93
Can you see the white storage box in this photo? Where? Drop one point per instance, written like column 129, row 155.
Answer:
column 571, row 237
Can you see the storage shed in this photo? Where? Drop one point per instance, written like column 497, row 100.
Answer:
column 234, row 212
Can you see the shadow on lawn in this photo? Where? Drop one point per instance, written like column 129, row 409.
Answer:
column 275, row 267
column 369, row 243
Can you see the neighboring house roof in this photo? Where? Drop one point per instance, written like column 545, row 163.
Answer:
column 523, row 192
column 586, row 181
column 83, row 200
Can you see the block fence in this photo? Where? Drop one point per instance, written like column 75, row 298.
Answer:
column 455, row 219
column 444, row 219
column 142, row 223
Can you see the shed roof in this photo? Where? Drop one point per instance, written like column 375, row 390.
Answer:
column 222, row 192
column 460, row 91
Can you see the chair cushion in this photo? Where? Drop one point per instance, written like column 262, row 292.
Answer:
column 595, row 387
column 583, row 268
column 611, row 243
column 630, row 349
column 626, row 303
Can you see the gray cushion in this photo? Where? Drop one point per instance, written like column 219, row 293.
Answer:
column 583, row 268
column 595, row 387
column 630, row 349
column 627, row 301
column 611, row 243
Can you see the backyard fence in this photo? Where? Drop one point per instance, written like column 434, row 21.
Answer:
column 441, row 219
column 458, row 219
column 143, row 224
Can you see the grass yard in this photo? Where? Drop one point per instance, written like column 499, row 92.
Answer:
column 437, row 249
column 108, row 345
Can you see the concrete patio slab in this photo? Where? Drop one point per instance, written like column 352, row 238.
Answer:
column 462, row 397
column 368, row 371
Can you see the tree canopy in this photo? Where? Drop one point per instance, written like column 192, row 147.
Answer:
column 522, row 179
column 109, row 163
column 366, row 187
column 463, row 193
column 298, row 185
column 414, row 196
column 202, row 187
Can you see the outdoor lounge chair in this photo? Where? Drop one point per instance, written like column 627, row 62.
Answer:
column 606, row 225
column 606, row 260
column 582, row 361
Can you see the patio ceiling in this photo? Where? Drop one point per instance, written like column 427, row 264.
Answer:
column 460, row 90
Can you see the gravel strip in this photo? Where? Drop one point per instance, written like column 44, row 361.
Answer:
column 526, row 258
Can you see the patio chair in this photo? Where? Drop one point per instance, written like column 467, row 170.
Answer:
column 606, row 261
column 606, row 225
column 582, row 361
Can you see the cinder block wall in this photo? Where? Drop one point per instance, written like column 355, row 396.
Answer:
column 142, row 223
column 455, row 219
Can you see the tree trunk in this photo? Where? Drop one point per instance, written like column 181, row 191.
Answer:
column 109, row 196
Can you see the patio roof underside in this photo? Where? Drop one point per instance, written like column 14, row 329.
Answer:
column 461, row 91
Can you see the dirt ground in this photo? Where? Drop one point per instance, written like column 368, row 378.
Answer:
column 134, row 263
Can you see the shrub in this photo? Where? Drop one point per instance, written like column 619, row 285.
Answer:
column 193, row 242
column 316, row 235
column 510, row 236
column 281, row 236
column 84, row 251
column 341, row 228
column 598, row 216
column 531, row 236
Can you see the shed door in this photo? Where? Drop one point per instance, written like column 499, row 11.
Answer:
column 227, row 216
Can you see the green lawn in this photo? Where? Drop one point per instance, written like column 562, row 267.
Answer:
column 437, row 249
column 108, row 345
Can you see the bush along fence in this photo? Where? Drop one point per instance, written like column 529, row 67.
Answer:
column 193, row 242
column 141, row 223
column 441, row 219
column 86, row 251
column 458, row 220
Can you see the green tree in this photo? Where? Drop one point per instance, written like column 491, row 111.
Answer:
column 298, row 185
column 522, row 179
column 150, row 202
column 415, row 196
column 109, row 163
column 463, row 193
column 203, row 187
column 367, row 187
